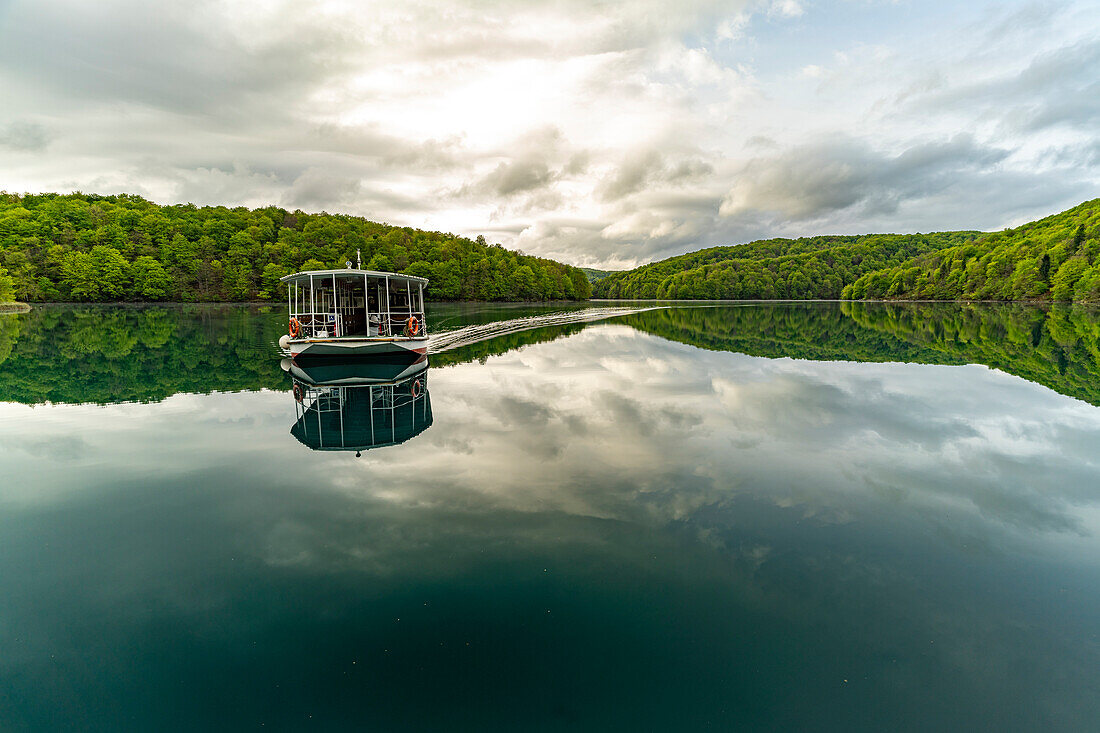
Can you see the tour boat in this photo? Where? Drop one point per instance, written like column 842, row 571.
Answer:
column 355, row 312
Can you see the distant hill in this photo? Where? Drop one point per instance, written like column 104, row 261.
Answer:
column 1055, row 258
column 594, row 276
column 811, row 267
column 85, row 247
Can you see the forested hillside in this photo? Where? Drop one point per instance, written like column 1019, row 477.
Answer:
column 811, row 267
column 1053, row 259
column 84, row 247
column 595, row 276
column 1056, row 258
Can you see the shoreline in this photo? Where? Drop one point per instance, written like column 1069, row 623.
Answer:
column 25, row 307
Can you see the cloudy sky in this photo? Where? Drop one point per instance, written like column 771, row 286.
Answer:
column 599, row 133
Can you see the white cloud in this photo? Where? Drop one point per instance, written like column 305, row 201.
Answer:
column 600, row 133
column 786, row 8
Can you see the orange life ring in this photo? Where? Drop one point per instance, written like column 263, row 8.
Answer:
column 295, row 328
column 412, row 326
column 298, row 392
column 415, row 389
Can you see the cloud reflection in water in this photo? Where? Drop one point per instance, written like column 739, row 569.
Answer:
column 625, row 530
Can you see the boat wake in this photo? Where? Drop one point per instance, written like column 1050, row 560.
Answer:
column 466, row 335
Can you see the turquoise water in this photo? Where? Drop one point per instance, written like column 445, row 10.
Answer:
column 744, row 517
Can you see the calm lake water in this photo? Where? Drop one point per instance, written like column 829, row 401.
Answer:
column 733, row 517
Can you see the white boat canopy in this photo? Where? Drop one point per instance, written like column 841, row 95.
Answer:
column 355, row 303
column 352, row 273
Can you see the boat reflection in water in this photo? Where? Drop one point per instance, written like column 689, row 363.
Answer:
column 356, row 405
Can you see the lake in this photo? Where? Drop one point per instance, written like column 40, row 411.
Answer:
column 801, row 516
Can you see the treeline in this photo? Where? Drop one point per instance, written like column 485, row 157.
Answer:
column 1053, row 259
column 807, row 268
column 596, row 275
column 85, row 247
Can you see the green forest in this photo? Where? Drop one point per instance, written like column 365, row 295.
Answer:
column 595, row 276
column 89, row 248
column 1053, row 259
column 810, row 268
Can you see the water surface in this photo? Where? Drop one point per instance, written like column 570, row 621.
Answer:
column 734, row 517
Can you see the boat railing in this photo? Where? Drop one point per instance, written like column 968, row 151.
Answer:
column 318, row 325
column 398, row 323
column 336, row 325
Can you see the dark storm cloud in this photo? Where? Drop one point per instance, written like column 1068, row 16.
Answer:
column 516, row 176
column 184, row 58
column 316, row 189
column 816, row 180
column 24, row 136
column 825, row 184
column 650, row 168
column 631, row 175
column 524, row 183
column 383, row 148
column 1059, row 87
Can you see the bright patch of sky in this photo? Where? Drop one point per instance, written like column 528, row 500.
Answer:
column 599, row 133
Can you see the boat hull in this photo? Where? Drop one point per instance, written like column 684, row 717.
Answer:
column 400, row 347
column 357, row 371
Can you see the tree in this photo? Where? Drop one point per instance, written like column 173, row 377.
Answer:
column 78, row 277
column 7, row 287
column 151, row 282
column 271, row 287
column 524, row 285
column 1066, row 278
column 380, row 263
column 110, row 268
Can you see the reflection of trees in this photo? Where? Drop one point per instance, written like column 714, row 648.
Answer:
column 10, row 326
column 498, row 345
column 111, row 354
column 105, row 354
column 819, row 331
column 1058, row 348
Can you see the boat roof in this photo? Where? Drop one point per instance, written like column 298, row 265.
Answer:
column 352, row 273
